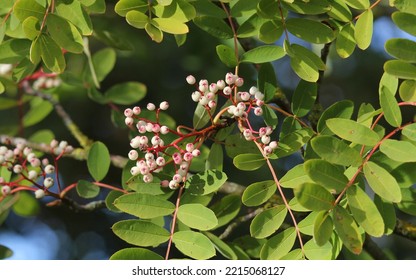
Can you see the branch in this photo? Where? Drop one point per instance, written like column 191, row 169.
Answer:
column 231, row 227
column 373, row 249
column 76, row 207
column 405, row 229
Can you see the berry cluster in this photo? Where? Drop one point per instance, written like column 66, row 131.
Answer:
column 23, row 162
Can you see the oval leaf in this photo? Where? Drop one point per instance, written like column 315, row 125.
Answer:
column 310, row 30
column 227, row 55
column 405, row 21
column 347, row 230
column 410, row 131
column 345, row 44
column 323, row 228
column 171, row 25
column 214, row 26
column 197, row 216
column 86, row 189
column 137, row 19
column 400, row 69
column 98, row 161
column 279, row 245
column 268, row 222
column 144, row 206
column 390, row 107
column 249, row 162
column 353, row 131
column 327, row 175
column 262, row 54
column 258, row 193
column 135, row 254
column 407, row 91
column 65, row 34
column 304, row 98
column 141, row 233
column 314, row 197
column 382, row 182
column 365, row 211
column 341, row 109
column 403, row 49
column 226, row 209
column 194, row 244
column 364, row 29
column 208, row 182
column 126, row 93
column 401, row 151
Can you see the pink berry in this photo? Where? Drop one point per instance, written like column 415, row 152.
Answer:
column 129, row 121
column 137, row 110
column 151, row 106
column 128, row 112
column 164, row 105
column 164, row 129
column 239, row 82
column 258, row 111
column 190, row 80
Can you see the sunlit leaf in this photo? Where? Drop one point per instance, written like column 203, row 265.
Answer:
column 258, row 193
column 26, row 205
column 347, row 230
column 262, row 54
column 340, row 11
column 75, row 13
column 326, row 174
column 23, row 9
column 51, row 54
column 407, row 90
column 405, row 21
column 316, row 252
column 135, row 254
column 279, row 245
column 268, row 222
column 410, row 131
column 400, row 48
column 364, row 29
column 65, row 34
column 154, row 32
column 109, row 200
column 208, row 182
column 124, row 6
column 145, row 206
column 311, row 7
column 304, row 98
column 353, row 131
column 215, row 158
column 405, row 5
column 345, row 44
column 310, row 30
column 227, row 55
column 307, row 224
column 171, row 25
column 314, row 197
column 295, row 177
column 382, row 182
column 358, row 4
column 401, row 151
column 98, row 160
column 270, row 31
column 197, row 216
column 249, row 162
column 365, row 211
column 400, row 69
column 87, row 189
column 194, row 244
column 226, row 209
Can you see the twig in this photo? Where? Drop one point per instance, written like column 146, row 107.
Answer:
column 231, row 227
column 405, row 229
column 373, row 249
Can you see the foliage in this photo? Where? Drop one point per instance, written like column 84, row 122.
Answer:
column 357, row 170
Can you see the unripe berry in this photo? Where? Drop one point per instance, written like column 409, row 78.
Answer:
column 164, row 129
column 187, row 156
column 49, row 169
column 213, row 88
column 273, row 145
column 32, row 175
column 204, row 101
column 269, row 130
column 267, row 150
column 27, row 151
column 265, row 139
column 128, row 112
column 177, row 159
column 149, row 127
column 196, row 153
column 227, row 90
column 3, row 150
column 231, row 109
column 129, row 121
column 148, row 178
column 196, row 95
column 35, row 162
column 238, row 112
column 160, row 161
column 54, row 143
column 258, row 111
column 143, row 140
column 151, row 106
column 135, row 142
column 177, row 178
column 164, row 183
column 253, row 90
column 48, row 182
column 45, row 161
column 137, row 110
column 239, row 82
column 241, row 106
column 149, row 156
column 9, row 155
column 247, row 133
column 156, row 128
column 133, row 155
column 259, row 102
column 173, row 185
column 210, row 95
column 190, row 80
column 203, row 85
column 220, row 84
column 164, row 105
column 134, row 170
column 5, row 190
column 244, row 96
column 155, row 140
column 141, row 129
column 63, row 144
column 189, row 147
column 17, row 169
column 39, row 194
column 212, row 104
column 259, row 95
column 262, row 131
column 230, row 78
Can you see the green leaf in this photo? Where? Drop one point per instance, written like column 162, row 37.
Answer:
column 306, row 225
column 194, row 244
column 249, row 162
column 98, row 160
column 407, row 91
column 208, row 182
column 405, row 5
column 222, row 247
column 341, row 109
column 295, row 177
column 226, row 209
column 262, row 54
column 104, row 61
column 39, row 110
column 365, row 211
column 388, row 213
column 310, row 30
column 180, row 10
column 215, row 157
column 87, row 189
column 31, row 27
column 345, row 44
column 26, row 205
column 314, row 197
column 347, row 230
column 126, row 93
column 316, row 252
column 2, row 88
column 135, row 254
column 23, row 9
column 304, row 98
column 197, row 216
column 145, row 206
column 171, row 25
column 137, row 19
column 358, row 4
column 64, row 33
column 75, row 13
column 236, row 144
column 124, row 6
column 258, row 193
column 14, row 50
column 268, row 222
column 327, row 175
column 5, row 252
column 340, row 11
column 323, row 228
column 400, row 48
column 405, row 21
column 311, row 7
column 109, row 200
column 279, row 245
column 51, row 54
column 364, row 29
column 292, row 142
column 305, row 63
column 227, row 55
column 400, row 69
column 140, row 232
column 404, row 174
column 267, row 81
column 269, row 116
column 335, row 151
column 382, row 182
column 408, row 203
column 353, row 131
column 214, row 26
column 401, row 151
column 410, row 131
column 266, row 9
column 290, row 124
column 270, row 31
column 201, row 116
